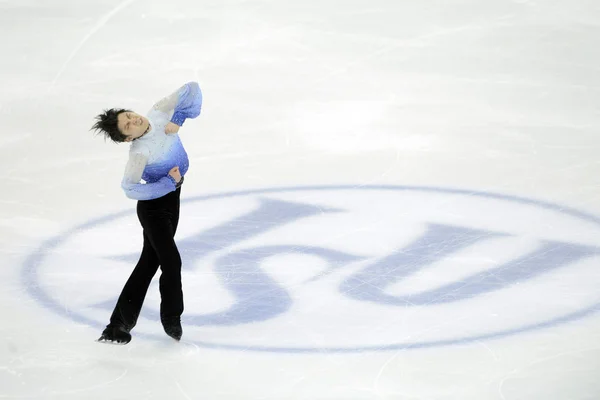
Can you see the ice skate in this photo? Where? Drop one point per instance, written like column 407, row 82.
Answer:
column 172, row 327
column 115, row 335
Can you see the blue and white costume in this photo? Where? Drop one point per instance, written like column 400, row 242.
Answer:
column 154, row 154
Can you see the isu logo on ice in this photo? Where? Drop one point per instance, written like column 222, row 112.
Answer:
column 342, row 268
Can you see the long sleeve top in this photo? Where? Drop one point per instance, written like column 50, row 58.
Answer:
column 154, row 154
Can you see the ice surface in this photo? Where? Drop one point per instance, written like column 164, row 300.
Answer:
column 387, row 200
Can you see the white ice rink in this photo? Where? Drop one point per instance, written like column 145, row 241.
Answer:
column 387, row 199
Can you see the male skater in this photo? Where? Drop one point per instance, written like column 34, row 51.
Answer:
column 157, row 157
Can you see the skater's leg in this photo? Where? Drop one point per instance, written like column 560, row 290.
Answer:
column 170, row 264
column 161, row 231
column 129, row 305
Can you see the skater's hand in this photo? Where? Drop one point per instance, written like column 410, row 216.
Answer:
column 172, row 128
column 174, row 172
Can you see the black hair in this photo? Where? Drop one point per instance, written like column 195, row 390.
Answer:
column 107, row 124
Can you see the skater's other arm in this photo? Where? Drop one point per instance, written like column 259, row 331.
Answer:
column 186, row 103
column 143, row 191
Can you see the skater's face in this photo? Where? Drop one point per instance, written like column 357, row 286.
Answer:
column 132, row 125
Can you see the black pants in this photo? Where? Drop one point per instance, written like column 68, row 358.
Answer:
column 159, row 219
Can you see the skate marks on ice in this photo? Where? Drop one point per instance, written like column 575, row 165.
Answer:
column 101, row 22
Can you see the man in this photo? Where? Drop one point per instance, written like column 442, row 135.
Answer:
column 157, row 157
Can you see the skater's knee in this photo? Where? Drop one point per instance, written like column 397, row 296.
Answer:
column 171, row 262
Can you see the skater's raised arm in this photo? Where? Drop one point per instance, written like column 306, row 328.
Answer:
column 143, row 191
column 186, row 103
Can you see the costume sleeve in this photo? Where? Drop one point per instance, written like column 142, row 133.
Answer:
column 143, row 191
column 186, row 102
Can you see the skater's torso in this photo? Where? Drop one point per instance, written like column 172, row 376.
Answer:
column 163, row 151
column 154, row 154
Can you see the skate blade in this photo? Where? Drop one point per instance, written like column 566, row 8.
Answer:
column 113, row 342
